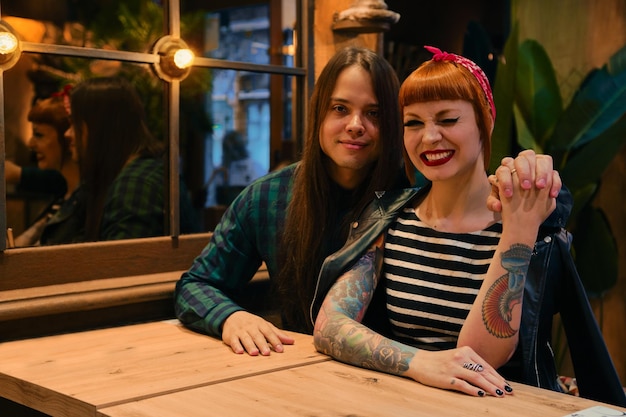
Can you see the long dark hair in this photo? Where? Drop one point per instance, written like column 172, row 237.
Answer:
column 312, row 211
column 112, row 113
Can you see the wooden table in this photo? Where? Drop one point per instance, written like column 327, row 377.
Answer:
column 75, row 374
column 336, row 389
column 162, row 369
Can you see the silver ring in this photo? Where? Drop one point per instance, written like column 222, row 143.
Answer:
column 476, row 367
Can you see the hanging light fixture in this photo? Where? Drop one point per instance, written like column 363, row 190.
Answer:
column 365, row 16
column 10, row 46
column 175, row 58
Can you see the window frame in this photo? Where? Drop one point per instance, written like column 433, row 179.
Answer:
column 171, row 10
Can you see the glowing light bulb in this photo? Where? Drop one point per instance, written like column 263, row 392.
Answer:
column 8, row 43
column 183, row 58
column 175, row 59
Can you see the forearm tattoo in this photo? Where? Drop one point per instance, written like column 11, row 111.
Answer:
column 506, row 292
column 346, row 340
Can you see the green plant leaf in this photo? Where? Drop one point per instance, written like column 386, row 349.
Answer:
column 582, row 196
column 588, row 163
column 598, row 104
column 617, row 62
column 504, row 97
column 537, row 92
column 524, row 136
column 595, row 252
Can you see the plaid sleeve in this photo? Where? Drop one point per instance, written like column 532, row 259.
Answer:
column 134, row 206
column 229, row 261
column 248, row 234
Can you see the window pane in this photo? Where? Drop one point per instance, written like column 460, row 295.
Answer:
column 231, row 125
column 39, row 76
column 243, row 33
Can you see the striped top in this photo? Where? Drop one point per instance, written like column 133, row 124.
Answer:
column 432, row 279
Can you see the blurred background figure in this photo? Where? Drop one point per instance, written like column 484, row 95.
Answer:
column 56, row 172
column 122, row 165
column 238, row 169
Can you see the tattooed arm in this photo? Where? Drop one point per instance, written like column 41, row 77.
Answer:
column 492, row 326
column 339, row 333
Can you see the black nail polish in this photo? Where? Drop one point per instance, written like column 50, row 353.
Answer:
column 481, row 393
column 508, row 388
column 499, row 392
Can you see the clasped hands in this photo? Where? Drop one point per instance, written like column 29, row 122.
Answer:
column 528, row 171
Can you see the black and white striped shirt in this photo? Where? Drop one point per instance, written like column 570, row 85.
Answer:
column 432, row 279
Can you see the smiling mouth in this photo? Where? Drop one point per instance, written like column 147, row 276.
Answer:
column 435, row 158
column 354, row 145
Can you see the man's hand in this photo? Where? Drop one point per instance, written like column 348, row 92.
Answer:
column 530, row 168
column 246, row 332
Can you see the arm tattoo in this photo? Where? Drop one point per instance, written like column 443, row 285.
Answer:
column 343, row 337
column 506, row 292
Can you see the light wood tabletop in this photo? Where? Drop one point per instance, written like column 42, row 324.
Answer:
column 162, row 369
column 75, row 374
column 336, row 389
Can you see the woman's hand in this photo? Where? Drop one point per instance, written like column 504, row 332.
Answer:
column 459, row 369
column 525, row 206
column 530, row 168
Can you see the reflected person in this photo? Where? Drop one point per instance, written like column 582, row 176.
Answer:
column 122, row 165
column 61, row 221
column 238, row 168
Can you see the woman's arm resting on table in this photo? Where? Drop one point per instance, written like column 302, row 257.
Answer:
column 339, row 333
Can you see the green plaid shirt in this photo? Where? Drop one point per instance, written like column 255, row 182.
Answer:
column 135, row 203
column 248, row 234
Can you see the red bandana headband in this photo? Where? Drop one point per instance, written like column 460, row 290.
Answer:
column 65, row 93
column 471, row 66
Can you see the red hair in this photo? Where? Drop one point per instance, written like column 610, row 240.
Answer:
column 446, row 80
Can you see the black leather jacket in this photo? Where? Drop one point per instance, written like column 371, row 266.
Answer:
column 552, row 286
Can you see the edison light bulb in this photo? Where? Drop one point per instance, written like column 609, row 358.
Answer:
column 183, row 58
column 8, row 43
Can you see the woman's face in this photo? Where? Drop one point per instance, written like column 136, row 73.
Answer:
column 349, row 134
column 46, row 146
column 442, row 138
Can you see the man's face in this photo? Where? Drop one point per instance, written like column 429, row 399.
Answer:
column 349, row 134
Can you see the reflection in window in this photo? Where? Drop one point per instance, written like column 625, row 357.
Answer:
column 239, row 100
column 251, row 100
column 235, row 104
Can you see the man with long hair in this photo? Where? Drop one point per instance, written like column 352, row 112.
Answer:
column 292, row 219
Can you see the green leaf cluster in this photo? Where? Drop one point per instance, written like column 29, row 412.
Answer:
column 582, row 137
